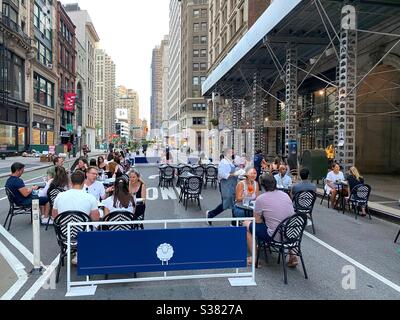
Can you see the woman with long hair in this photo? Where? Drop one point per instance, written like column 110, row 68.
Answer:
column 137, row 187
column 101, row 164
column 246, row 191
column 354, row 179
column 60, row 183
column 121, row 200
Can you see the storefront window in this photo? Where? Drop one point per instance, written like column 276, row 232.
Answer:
column 7, row 136
column 21, row 139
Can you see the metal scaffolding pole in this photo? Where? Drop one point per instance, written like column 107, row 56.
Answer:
column 291, row 124
column 345, row 119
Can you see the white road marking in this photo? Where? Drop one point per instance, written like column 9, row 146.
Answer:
column 153, row 177
column 30, row 294
column 19, row 270
column 355, row 263
column 3, row 198
column 18, row 245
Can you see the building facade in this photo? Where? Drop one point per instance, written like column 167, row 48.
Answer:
column 87, row 36
column 229, row 21
column 156, row 93
column 16, row 56
column 174, row 73
column 105, row 96
column 44, row 99
column 66, row 63
column 194, row 48
column 129, row 99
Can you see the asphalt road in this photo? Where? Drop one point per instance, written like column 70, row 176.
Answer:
column 364, row 248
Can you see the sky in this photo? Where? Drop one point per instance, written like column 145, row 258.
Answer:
column 129, row 30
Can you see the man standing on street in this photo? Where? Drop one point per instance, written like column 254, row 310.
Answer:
column 228, row 182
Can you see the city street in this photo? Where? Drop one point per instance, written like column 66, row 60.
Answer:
column 341, row 243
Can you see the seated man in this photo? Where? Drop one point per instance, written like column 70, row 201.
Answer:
column 22, row 194
column 77, row 199
column 334, row 177
column 274, row 206
column 305, row 184
column 94, row 187
column 283, row 181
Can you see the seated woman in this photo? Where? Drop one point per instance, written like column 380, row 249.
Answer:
column 82, row 165
column 246, row 191
column 355, row 179
column 43, row 194
column 138, row 189
column 334, row 177
column 121, row 200
column 60, row 182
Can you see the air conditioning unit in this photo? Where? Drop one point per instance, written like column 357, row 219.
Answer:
column 50, row 66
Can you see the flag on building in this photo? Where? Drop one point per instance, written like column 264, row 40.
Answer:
column 69, row 101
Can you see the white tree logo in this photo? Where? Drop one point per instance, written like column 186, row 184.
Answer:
column 165, row 252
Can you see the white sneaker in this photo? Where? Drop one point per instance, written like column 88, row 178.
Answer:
column 309, row 223
column 74, row 260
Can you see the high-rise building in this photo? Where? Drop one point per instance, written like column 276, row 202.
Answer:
column 105, row 96
column 16, row 81
column 88, row 38
column 194, row 47
column 165, row 74
column 174, row 70
column 129, row 99
column 228, row 22
column 156, row 92
column 66, row 57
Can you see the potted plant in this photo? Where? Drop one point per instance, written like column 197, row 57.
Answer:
column 214, row 122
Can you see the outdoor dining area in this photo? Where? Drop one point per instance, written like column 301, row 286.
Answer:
column 190, row 179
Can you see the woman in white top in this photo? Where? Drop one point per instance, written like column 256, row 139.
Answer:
column 246, row 191
column 334, row 177
column 122, row 200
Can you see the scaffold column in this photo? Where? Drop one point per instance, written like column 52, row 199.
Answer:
column 291, row 96
column 345, row 120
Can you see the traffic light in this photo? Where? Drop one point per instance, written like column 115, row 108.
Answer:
column 118, row 129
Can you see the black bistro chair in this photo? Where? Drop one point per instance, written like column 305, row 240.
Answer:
column 397, row 238
column 359, row 198
column 15, row 210
column 181, row 171
column 192, row 190
column 166, row 177
column 290, row 234
column 199, row 171
column 326, row 195
column 119, row 216
column 52, row 195
column 303, row 203
column 211, row 175
column 60, row 226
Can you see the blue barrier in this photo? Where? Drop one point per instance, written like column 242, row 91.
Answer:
column 121, row 252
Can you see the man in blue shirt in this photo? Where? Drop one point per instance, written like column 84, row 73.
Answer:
column 305, row 184
column 22, row 194
column 283, row 181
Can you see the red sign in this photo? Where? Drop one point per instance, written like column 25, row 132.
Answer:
column 69, row 101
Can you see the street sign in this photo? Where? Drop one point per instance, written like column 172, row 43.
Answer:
column 70, row 127
column 65, row 134
column 79, row 131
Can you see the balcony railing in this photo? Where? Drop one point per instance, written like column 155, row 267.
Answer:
column 14, row 27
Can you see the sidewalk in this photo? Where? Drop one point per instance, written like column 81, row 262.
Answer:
column 33, row 164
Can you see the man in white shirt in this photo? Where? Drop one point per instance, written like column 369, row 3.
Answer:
column 94, row 187
column 228, row 182
column 332, row 180
column 76, row 199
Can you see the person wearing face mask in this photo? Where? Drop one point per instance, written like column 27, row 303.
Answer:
column 228, row 182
